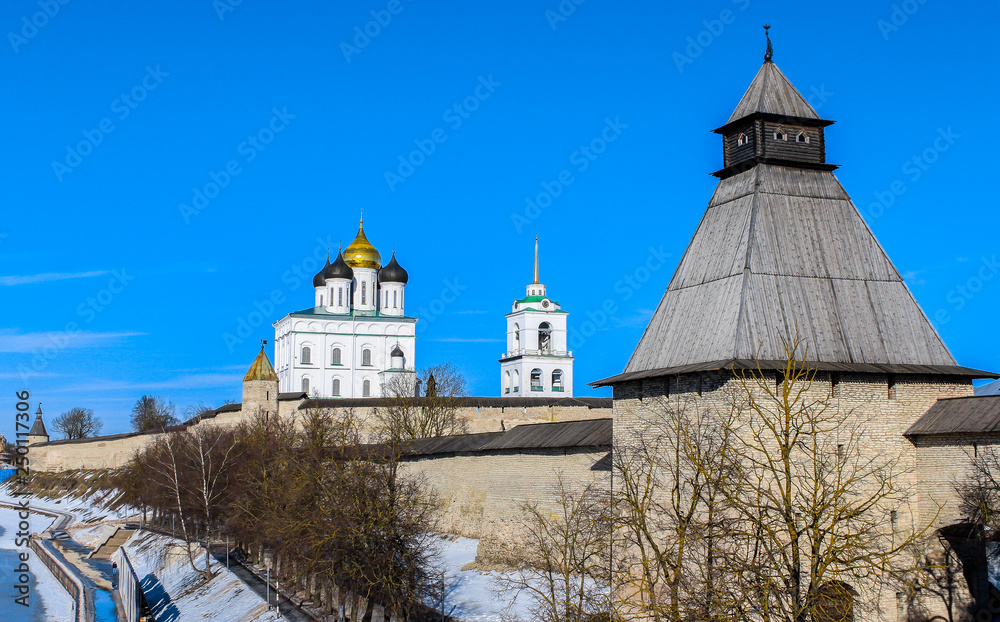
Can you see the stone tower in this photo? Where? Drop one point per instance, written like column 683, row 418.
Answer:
column 537, row 362
column 37, row 433
column 260, row 386
column 782, row 253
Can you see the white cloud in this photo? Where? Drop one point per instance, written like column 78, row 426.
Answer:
column 13, row 341
column 189, row 381
column 47, row 276
column 26, row 374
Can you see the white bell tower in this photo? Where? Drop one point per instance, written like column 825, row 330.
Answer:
column 536, row 363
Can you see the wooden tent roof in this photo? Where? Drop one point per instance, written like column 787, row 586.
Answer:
column 772, row 93
column 782, row 251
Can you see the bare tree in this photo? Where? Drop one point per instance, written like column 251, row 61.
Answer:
column 815, row 513
column 670, row 478
column 569, row 578
column 186, row 473
column 78, row 423
column 152, row 413
column 408, row 417
column 979, row 492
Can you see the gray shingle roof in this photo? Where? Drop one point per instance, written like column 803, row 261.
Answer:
column 560, row 435
column 960, row 415
column 38, row 427
column 780, row 251
column 992, row 388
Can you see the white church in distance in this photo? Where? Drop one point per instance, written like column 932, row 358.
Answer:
column 537, row 362
column 356, row 337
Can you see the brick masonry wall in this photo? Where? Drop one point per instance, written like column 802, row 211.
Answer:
column 942, row 461
column 104, row 453
column 482, row 494
column 878, row 410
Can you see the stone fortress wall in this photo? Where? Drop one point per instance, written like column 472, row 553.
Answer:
column 881, row 408
column 481, row 414
column 481, row 488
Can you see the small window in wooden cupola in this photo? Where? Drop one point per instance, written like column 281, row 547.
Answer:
column 742, row 140
column 779, row 134
column 802, row 138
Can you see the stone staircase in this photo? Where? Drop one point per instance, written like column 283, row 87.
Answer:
column 112, row 544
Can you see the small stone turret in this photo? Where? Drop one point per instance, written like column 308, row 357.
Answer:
column 260, row 386
column 38, row 433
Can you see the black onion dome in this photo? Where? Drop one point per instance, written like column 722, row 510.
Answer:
column 320, row 279
column 393, row 272
column 339, row 269
column 396, row 351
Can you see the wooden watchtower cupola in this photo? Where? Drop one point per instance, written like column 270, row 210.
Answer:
column 772, row 124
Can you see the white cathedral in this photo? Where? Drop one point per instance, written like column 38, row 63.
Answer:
column 536, row 363
column 356, row 339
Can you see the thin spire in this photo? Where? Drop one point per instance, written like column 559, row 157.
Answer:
column 536, row 260
column 770, row 51
column 362, row 217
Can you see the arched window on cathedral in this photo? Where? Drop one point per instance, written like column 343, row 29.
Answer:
column 306, row 358
column 366, row 357
column 366, row 388
column 305, row 385
column 363, row 284
column 394, row 299
column 506, row 382
column 536, row 380
column 517, row 337
column 544, row 337
column 517, row 381
column 802, row 138
column 336, row 387
column 557, row 380
column 780, row 134
column 321, row 300
column 340, row 295
column 335, row 356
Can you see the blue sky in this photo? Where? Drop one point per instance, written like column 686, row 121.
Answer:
column 119, row 277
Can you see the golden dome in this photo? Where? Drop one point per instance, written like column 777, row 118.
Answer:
column 360, row 253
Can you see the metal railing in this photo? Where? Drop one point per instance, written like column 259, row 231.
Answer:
column 73, row 585
column 129, row 590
